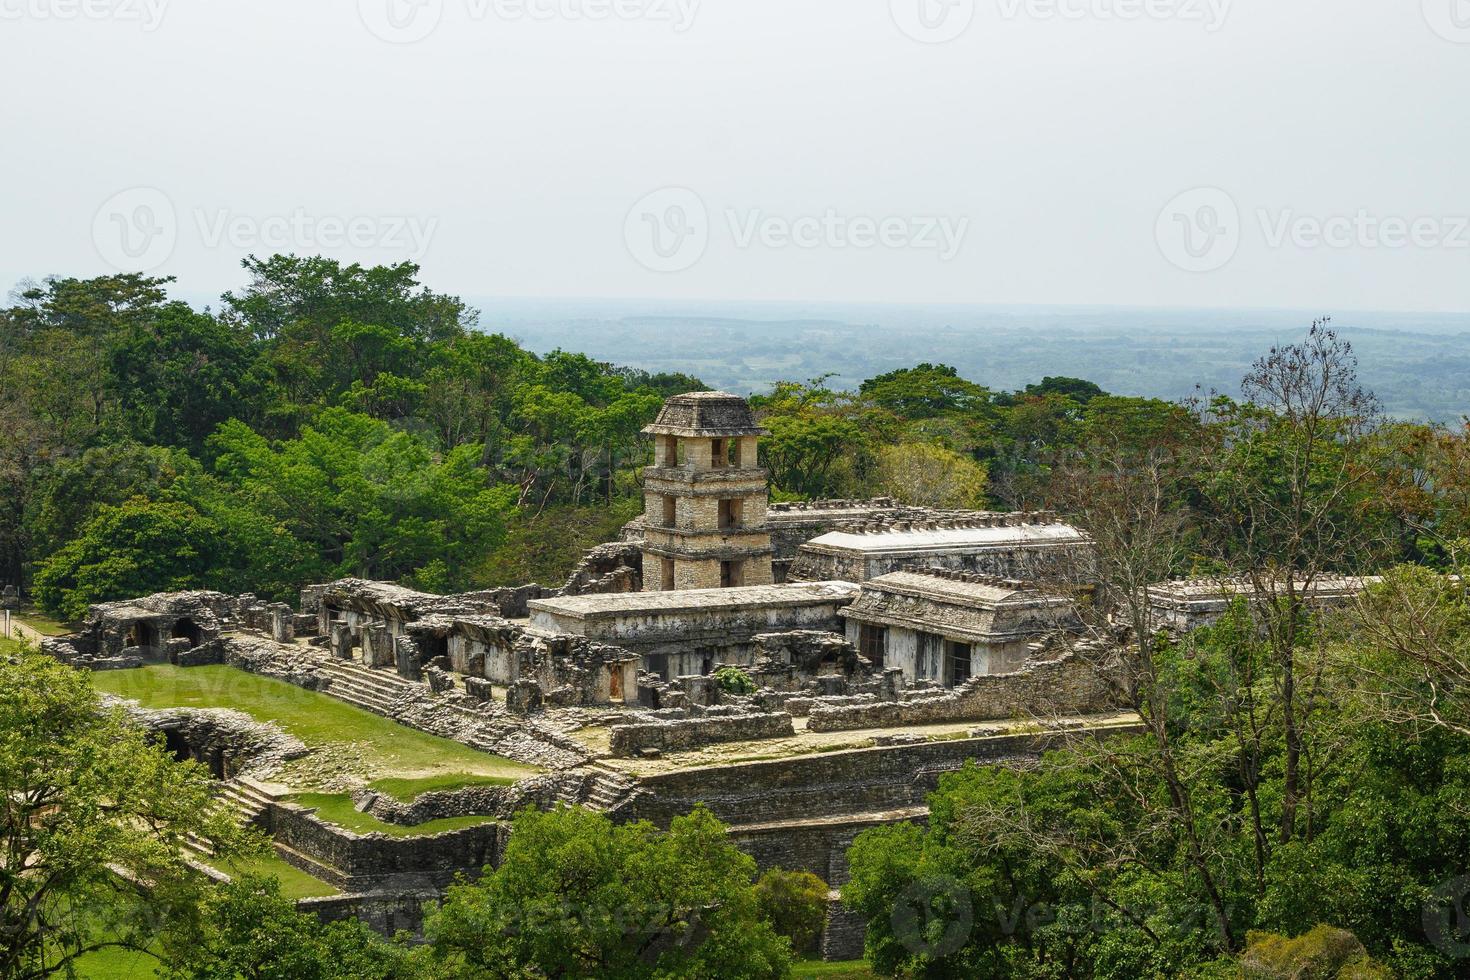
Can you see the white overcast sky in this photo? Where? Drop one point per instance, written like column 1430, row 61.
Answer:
column 509, row 153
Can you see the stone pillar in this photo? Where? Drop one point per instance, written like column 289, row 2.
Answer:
column 408, row 657
column 378, row 647
column 283, row 623
column 342, row 639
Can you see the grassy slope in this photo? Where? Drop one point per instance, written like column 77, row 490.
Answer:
column 386, row 749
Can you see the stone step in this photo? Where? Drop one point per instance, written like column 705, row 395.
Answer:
column 386, row 688
column 198, row 845
column 385, row 674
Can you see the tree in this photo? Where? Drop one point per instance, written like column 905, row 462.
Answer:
column 94, row 816
column 246, row 929
column 1286, row 486
column 577, row 895
column 795, row 903
column 925, row 391
column 930, row 476
column 133, row 549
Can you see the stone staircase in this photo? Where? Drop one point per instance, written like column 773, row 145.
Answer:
column 243, row 799
column 371, row 690
column 610, row 788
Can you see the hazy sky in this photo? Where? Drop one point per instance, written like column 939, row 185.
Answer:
column 1301, row 153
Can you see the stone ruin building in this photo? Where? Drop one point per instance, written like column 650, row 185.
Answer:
column 1188, row 604
column 705, row 497
column 945, row 627
column 879, row 646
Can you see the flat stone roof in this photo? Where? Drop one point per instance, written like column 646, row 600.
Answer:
column 946, row 539
column 1199, row 589
column 977, row 594
column 619, row 605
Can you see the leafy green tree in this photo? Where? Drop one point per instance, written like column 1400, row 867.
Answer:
column 373, row 502
column 925, row 391
column 93, row 814
column 930, row 476
column 132, row 549
column 178, row 374
column 795, row 903
column 578, row 895
column 246, row 929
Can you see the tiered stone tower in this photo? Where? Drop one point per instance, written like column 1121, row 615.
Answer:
column 705, row 497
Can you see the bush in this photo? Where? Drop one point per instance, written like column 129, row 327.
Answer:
column 795, row 903
column 733, row 680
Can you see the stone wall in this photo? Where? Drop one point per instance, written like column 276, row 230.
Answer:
column 691, row 733
column 1071, row 685
column 857, row 781
column 386, row 912
column 365, row 863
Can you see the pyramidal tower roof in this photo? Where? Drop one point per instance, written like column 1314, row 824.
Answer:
column 705, row 413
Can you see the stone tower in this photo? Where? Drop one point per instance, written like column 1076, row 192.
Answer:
column 705, row 497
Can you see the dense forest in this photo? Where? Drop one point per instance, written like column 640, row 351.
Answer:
column 331, row 420
column 1294, row 801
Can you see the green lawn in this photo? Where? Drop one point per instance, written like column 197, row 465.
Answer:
column 337, row 808
column 9, row 646
column 117, row 964
column 853, row 970
column 42, row 623
column 295, row 883
column 376, row 747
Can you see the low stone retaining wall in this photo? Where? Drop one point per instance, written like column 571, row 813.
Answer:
column 855, row 781
column 377, row 862
column 1070, row 685
column 386, row 912
column 500, row 802
column 691, row 733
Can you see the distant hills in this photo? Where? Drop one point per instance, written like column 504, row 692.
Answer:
column 1418, row 363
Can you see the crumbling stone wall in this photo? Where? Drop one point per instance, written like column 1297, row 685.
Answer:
column 609, row 568
column 691, row 733
column 1070, row 685
column 856, row 781
column 367, row 862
